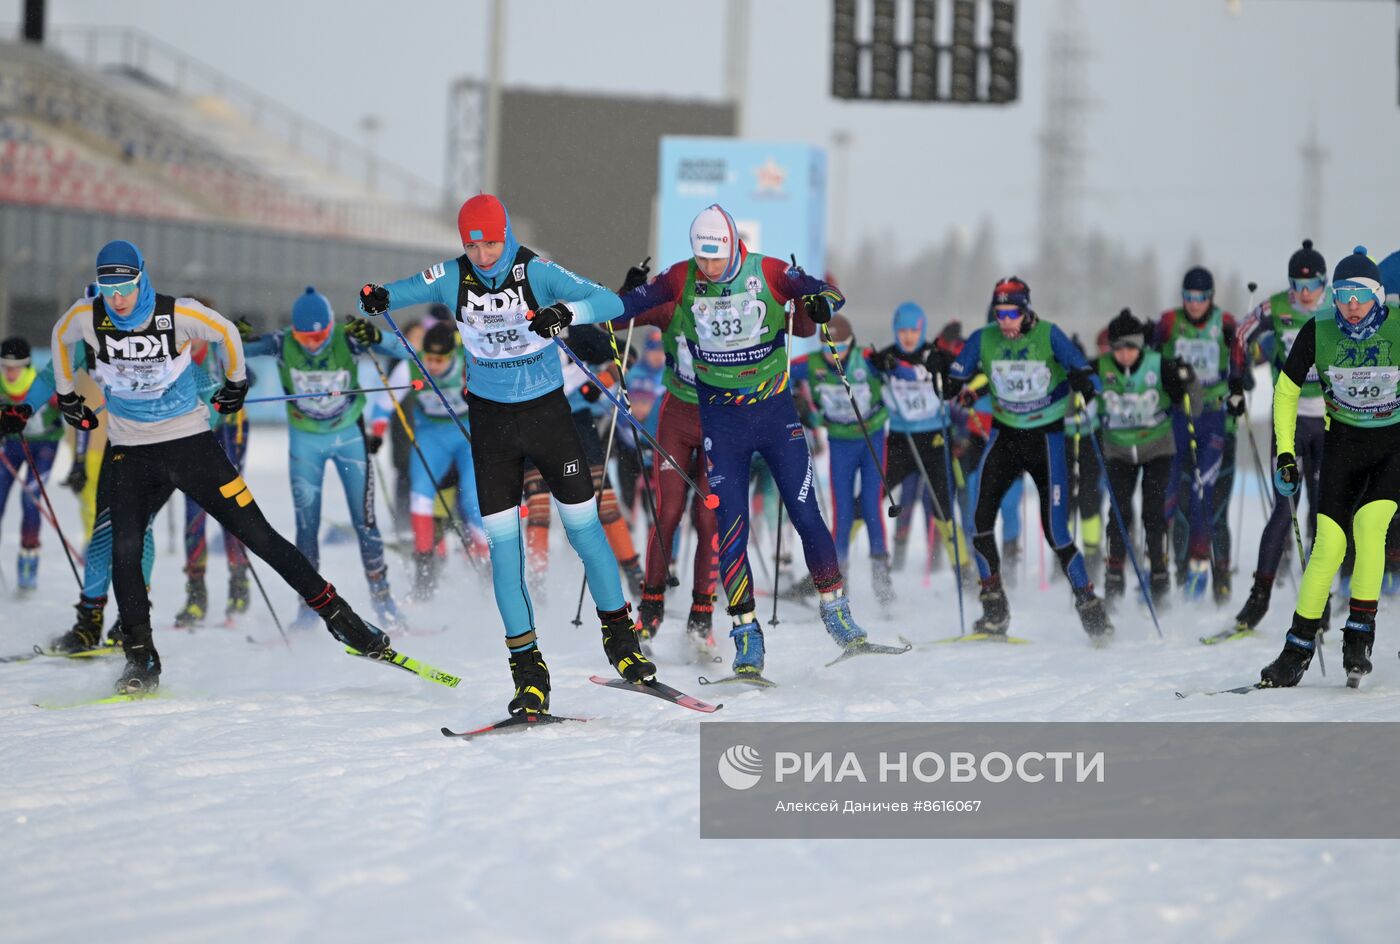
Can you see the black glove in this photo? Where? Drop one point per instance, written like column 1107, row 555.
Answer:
column 884, row 361
column 1177, row 376
column 937, row 361
column 373, row 442
column 590, row 392
column 229, row 399
column 1081, row 381
column 637, row 276
column 77, row 476
column 374, row 299
column 75, row 411
column 818, row 308
column 548, row 322
column 1286, row 477
column 245, row 330
column 1234, row 403
column 365, row 332
column 14, row 417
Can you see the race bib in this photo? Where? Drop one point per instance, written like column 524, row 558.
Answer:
column 913, row 399
column 143, row 379
column 1132, row 410
column 836, row 406
column 732, row 323
column 1203, row 355
column 1365, row 389
column 1021, row 381
column 321, row 381
column 498, row 331
column 685, row 364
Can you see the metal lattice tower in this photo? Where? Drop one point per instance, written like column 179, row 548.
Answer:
column 1060, row 235
column 466, row 141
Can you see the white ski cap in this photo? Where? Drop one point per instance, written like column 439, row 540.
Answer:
column 713, row 235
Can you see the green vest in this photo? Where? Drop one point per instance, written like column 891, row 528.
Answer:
column 1023, row 376
column 838, row 416
column 1134, row 407
column 680, row 366
column 1360, row 379
column 428, row 404
column 331, row 368
column 735, row 332
column 1203, row 347
column 1286, row 321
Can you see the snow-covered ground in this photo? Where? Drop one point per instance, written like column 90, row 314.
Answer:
column 303, row 796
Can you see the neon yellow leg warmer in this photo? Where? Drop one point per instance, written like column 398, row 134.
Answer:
column 1368, row 528
column 1328, row 549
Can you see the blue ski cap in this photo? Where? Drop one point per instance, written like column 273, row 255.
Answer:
column 713, row 235
column 312, row 312
column 910, row 316
column 119, row 261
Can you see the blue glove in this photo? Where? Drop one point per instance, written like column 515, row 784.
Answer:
column 1286, row 477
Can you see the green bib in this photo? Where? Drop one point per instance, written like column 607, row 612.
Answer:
column 1203, row 347
column 1134, row 407
column 735, row 332
column 838, row 415
column 1360, row 379
column 1286, row 322
column 331, row 368
column 1024, row 376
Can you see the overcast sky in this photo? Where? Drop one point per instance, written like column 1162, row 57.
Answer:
column 1195, row 133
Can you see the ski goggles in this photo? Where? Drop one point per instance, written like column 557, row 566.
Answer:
column 120, row 289
column 1197, row 296
column 312, row 340
column 1314, row 284
column 1007, row 312
column 1344, row 293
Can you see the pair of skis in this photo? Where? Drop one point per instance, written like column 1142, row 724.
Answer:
column 863, row 648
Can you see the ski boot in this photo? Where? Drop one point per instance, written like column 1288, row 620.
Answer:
column 531, row 678
column 748, row 647
column 880, row 578
column 621, row 647
column 1287, row 670
column 699, row 624
column 345, row 625
column 1010, row 563
column 1256, row 607
column 29, row 568
column 1092, row 615
column 1197, row 576
column 142, row 671
column 836, row 617
column 996, row 611
column 632, row 572
column 1357, row 636
column 196, row 604
column 115, row 635
column 385, row 609
column 424, row 576
column 238, row 599
column 87, row 629
column 1220, row 583
column 1161, row 586
column 650, row 613
column 1115, row 585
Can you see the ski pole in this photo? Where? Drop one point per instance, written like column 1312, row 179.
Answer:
column 649, row 501
column 952, row 523
column 461, row 427
column 893, row 511
column 415, row 385
column 777, row 561
column 45, row 512
column 418, row 450
column 711, row 500
column 1123, row 527
column 44, row 493
column 252, row 571
column 948, row 466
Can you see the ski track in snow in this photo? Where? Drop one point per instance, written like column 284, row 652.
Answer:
column 306, row 796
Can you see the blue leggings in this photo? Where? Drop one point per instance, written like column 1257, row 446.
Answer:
column 43, row 453
column 97, row 571
column 445, row 448
column 851, row 459
column 1192, row 508
column 1278, row 531
column 732, row 435
column 346, row 449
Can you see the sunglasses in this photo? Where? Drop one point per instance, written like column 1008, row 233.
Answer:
column 1197, row 296
column 1007, row 312
column 121, row 289
column 1313, row 284
column 1345, row 294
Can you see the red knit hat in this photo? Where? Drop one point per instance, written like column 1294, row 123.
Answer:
column 482, row 219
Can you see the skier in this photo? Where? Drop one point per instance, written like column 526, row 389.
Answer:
column 917, row 419
column 446, row 451
column 728, row 303
column 1032, row 367
column 1274, row 326
column 1356, row 353
column 318, row 356
column 42, row 432
column 1140, row 387
column 1201, row 334
column 1085, row 482
column 851, row 458
column 161, row 442
column 519, row 411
